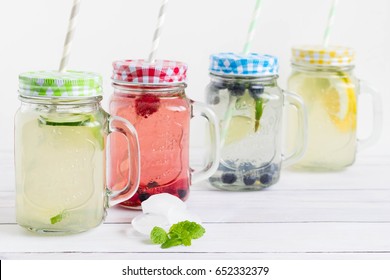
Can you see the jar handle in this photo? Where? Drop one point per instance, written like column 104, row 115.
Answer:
column 124, row 127
column 297, row 102
column 377, row 116
column 198, row 108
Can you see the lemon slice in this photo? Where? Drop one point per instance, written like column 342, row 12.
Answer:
column 339, row 100
column 239, row 128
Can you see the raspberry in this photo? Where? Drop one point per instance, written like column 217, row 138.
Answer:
column 146, row 105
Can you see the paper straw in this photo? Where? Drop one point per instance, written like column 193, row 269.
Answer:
column 328, row 30
column 157, row 32
column 252, row 27
column 70, row 35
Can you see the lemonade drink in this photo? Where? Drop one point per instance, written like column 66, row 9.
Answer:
column 324, row 79
column 64, row 150
column 60, row 153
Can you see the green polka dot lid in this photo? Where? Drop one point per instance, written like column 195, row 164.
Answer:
column 56, row 84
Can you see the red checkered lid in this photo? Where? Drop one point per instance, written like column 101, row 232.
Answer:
column 142, row 72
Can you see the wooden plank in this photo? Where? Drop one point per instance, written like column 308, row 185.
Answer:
column 271, row 205
column 370, row 171
column 236, row 238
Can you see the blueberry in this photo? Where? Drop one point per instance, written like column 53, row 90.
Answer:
column 246, row 166
column 256, row 90
column 182, row 193
column 236, row 89
column 266, row 179
column 249, row 180
column 152, row 184
column 228, row 178
column 219, row 85
column 143, row 196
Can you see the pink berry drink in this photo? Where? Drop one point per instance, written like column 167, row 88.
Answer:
column 162, row 124
column 152, row 97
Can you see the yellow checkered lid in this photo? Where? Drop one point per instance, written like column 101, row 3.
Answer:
column 323, row 56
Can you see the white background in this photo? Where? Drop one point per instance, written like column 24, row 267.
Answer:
column 32, row 35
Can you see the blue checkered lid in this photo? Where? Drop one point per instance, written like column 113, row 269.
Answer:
column 252, row 64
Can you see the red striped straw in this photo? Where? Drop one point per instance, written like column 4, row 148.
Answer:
column 157, row 32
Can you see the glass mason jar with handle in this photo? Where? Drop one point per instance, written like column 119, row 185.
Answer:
column 152, row 97
column 60, row 153
column 249, row 103
column 324, row 78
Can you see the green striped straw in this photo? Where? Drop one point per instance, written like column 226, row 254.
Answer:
column 252, row 27
column 329, row 26
column 233, row 99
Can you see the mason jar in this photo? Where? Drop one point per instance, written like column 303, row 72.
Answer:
column 324, row 78
column 60, row 153
column 245, row 95
column 152, row 97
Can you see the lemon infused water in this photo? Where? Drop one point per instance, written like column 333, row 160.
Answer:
column 244, row 93
column 60, row 139
column 324, row 78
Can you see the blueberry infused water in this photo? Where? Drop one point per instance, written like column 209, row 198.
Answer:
column 243, row 92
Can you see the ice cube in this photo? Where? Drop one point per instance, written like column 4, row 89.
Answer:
column 160, row 204
column 144, row 223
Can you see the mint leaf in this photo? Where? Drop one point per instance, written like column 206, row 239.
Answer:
column 158, row 235
column 194, row 230
column 259, row 113
column 181, row 233
column 197, row 231
column 171, row 243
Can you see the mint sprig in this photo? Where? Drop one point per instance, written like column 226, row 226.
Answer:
column 181, row 233
column 259, row 113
